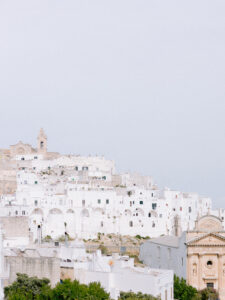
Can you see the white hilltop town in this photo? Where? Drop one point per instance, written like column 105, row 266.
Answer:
column 51, row 204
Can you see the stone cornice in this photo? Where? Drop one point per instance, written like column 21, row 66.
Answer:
column 206, row 245
column 205, row 253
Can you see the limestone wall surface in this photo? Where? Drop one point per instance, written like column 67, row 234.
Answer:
column 48, row 267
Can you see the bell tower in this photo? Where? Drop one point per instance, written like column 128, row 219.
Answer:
column 42, row 142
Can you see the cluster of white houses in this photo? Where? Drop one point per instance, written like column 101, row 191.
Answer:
column 47, row 195
column 83, row 196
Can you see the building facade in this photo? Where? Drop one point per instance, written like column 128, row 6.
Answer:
column 198, row 255
column 84, row 196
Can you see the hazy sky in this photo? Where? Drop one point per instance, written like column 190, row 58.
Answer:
column 139, row 81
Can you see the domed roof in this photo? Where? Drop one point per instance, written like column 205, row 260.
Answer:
column 209, row 223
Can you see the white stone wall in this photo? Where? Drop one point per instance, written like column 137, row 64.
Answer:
column 59, row 196
column 123, row 276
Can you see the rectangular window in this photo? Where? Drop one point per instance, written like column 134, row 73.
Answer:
column 141, row 202
column 210, row 285
column 107, row 201
column 154, row 205
column 99, row 201
column 189, row 209
column 35, row 182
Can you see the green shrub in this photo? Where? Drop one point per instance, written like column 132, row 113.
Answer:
column 32, row 288
column 182, row 290
column 133, row 296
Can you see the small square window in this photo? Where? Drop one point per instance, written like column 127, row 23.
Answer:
column 154, row 205
column 141, row 202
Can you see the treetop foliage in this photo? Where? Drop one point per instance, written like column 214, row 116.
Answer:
column 133, row 296
column 33, row 288
column 183, row 291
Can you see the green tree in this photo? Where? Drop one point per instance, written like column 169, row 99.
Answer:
column 133, row 296
column 71, row 290
column 28, row 288
column 208, row 293
column 32, row 288
column 183, row 291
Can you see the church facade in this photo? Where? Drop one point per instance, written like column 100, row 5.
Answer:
column 198, row 255
column 206, row 255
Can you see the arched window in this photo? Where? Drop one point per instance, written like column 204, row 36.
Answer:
column 209, row 263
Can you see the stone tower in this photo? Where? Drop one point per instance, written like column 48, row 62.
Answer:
column 177, row 226
column 42, row 142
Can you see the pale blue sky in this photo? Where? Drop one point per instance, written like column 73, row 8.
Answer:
column 141, row 82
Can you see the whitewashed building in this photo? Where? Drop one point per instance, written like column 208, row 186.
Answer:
column 84, row 195
column 117, row 273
